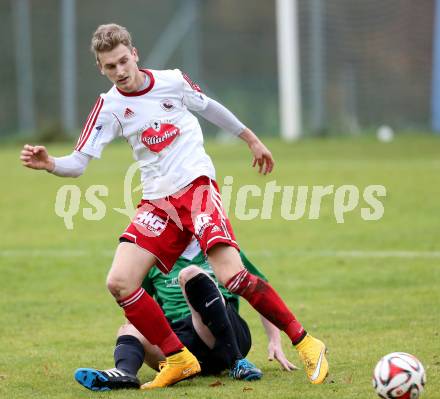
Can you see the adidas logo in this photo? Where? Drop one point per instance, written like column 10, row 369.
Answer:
column 128, row 113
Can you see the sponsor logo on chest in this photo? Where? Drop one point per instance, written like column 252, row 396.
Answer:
column 159, row 135
column 173, row 282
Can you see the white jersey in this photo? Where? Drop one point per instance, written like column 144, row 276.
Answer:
column 165, row 137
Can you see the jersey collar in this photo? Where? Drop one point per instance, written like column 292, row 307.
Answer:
column 140, row 92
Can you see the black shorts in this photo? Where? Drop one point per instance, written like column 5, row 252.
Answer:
column 213, row 361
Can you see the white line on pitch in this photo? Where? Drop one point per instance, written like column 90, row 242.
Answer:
column 56, row 253
column 351, row 254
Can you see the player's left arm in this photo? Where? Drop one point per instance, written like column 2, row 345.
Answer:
column 262, row 156
column 222, row 117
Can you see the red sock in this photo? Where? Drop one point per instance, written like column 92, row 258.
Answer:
column 267, row 302
column 146, row 315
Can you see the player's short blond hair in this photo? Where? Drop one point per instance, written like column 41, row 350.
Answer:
column 109, row 36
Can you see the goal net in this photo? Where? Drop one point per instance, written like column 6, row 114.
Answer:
column 365, row 64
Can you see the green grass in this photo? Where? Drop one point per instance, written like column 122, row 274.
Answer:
column 365, row 288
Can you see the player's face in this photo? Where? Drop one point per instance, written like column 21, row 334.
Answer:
column 120, row 66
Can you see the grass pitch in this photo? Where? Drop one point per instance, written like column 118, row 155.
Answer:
column 366, row 288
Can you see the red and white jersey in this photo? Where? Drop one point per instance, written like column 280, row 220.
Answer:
column 165, row 137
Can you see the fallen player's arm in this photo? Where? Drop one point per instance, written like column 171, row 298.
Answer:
column 275, row 350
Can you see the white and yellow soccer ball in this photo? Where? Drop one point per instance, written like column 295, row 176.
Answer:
column 399, row 375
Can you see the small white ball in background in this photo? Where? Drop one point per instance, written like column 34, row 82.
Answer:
column 385, row 134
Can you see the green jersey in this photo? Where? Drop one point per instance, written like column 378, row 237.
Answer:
column 165, row 288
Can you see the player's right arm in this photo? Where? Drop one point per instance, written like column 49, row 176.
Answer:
column 100, row 128
column 37, row 157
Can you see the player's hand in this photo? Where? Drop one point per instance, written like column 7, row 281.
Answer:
column 262, row 157
column 36, row 157
column 275, row 351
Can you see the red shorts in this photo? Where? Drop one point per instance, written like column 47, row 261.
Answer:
column 165, row 226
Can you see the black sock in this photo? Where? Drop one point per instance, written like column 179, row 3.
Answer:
column 206, row 299
column 129, row 354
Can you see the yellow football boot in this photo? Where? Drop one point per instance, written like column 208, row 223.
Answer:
column 312, row 353
column 177, row 367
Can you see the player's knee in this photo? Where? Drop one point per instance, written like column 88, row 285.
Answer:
column 188, row 273
column 127, row 329
column 223, row 278
column 199, row 289
column 130, row 329
column 116, row 286
column 225, row 261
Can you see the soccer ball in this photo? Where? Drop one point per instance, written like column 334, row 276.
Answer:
column 399, row 375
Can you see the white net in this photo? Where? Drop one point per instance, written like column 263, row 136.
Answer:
column 366, row 63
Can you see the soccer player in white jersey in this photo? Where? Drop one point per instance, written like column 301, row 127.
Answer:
column 152, row 111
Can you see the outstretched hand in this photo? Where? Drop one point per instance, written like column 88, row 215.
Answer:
column 276, row 352
column 36, row 157
column 262, row 157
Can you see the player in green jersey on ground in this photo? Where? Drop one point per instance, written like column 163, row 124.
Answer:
column 205, row 318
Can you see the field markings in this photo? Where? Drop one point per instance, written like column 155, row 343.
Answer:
column 67, row 253
column 353, row 253
column 361, row 162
